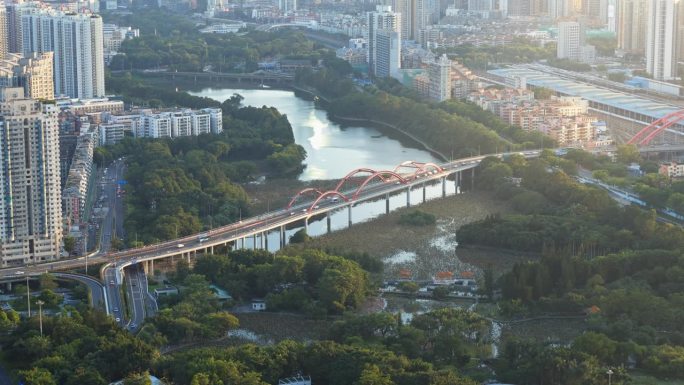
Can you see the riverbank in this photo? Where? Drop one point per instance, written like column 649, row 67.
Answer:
column 372, row 122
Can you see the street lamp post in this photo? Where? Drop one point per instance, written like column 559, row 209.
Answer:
column 610, row 374
column 40, row 315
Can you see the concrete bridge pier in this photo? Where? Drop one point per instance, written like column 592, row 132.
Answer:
column 242, row 242
column 151, row 262
column 8, row 285
column 188, row 258
column 408, row 196
column 283, row 241
column 328, row 221
column 444, row 187
column 424, row 192
column 472, row 178
column 254, row 242
column 349, row 214
column 264, row 237
column 387, row 204
column 457, row 181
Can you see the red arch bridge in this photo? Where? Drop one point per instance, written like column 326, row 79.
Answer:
column 359, row 185
column 670, row 124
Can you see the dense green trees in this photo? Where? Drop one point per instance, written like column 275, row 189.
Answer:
column 520, row 50
column 417, row 218
column 532, row 363
column 182, row 186
column 447, row 132
column 448, row 337
column 326, row 362
column 196, row 316
column 77, row 348
column 169, row 40
column 620, row 262
column 312, row 281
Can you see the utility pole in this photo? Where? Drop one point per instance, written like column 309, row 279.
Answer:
column 40, row 315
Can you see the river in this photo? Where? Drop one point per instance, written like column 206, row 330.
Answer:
column 332, row 150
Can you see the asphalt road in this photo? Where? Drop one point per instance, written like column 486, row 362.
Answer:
column 112, row 225
column 97, row 290
column 112, row 283
column 136, row 286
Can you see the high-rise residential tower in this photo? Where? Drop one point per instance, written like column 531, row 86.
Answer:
column 387, row 53
column 30, row 208
column 570, row 39
column 4, row 39
column 14, row 12
column 77, row 43
column 382, row 19
column 439, row 73
column 662, row 38
column 632, row 26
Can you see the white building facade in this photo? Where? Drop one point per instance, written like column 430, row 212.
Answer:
column 77, row 43
column 30, row 208
column 661, row 39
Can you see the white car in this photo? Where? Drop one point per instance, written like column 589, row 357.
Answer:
column 117, row 319
column 19, row 273
column 180, row 245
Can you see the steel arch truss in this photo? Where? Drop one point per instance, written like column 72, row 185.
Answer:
column 326, row 195
column 383, row 175
column 646, row 135
column 304, row 192
column 352, row 175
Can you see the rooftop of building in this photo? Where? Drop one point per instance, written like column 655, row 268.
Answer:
column 592, row 93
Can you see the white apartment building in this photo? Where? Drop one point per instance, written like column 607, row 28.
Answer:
column 570, row 39
column 201, row 124
column 387, row 53
column 383, row 19
column 33, row 73
column 178, row 123
column 181, row 124
column 661, row 39
column 439, row 73
column 154, row 126
column 31, row 209
column 112, row 133
column 77, row 43
column 215, row 119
